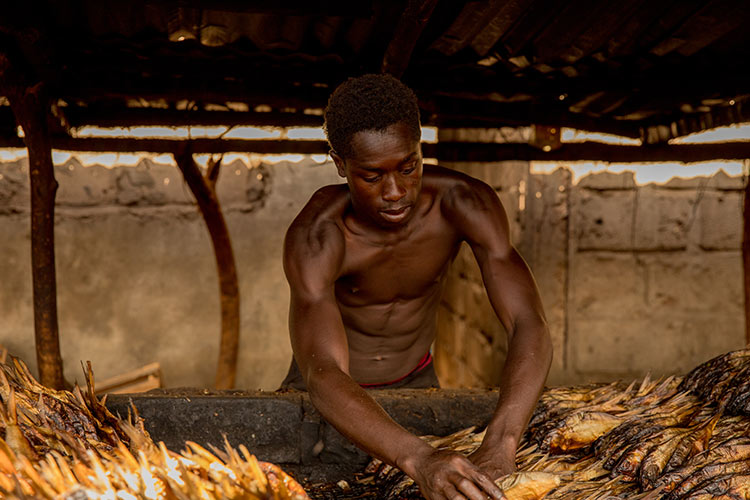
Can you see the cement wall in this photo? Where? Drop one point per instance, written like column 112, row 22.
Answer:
column 634, row 279
column 136, row 275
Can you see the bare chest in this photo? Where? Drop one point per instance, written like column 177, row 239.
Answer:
column 399, row 271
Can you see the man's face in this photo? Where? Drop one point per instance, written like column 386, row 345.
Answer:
column 384, row 174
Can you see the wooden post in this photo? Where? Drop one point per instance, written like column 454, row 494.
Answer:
column 746, row 252
column 204, row 190
column 30, row 107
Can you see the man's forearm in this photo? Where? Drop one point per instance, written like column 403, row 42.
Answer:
column 523, row 376
column 356, row 415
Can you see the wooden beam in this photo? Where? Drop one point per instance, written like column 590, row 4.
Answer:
column 360, row 8
column 445, row 151
column 456, row 113
column 199, row 146
column 30, row 106
column 204, row 190
column 593, row 151
column 746, row 256
column 410, row 27
column 103, row 116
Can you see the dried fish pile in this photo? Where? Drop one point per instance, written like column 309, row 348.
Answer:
column 670, row 439
column 67, row 445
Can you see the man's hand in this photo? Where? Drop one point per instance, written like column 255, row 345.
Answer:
column 447, row 475
column 494, row 463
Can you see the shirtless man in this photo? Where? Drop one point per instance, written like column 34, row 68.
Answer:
column 366, row 262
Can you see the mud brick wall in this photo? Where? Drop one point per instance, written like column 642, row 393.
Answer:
column 136, row 275
column 634, row 279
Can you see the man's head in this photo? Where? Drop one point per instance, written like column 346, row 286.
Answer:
column 372, row 124
column 369, row 102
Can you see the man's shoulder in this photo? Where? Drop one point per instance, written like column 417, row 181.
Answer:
column 317, row 225
column 453, row 188
column 445, row 180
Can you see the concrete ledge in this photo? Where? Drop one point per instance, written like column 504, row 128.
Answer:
column 284, row 427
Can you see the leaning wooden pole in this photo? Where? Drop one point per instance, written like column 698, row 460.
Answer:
column 204, row 190
column 746, row 254
column 30, row 107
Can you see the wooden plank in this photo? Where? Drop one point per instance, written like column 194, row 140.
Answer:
column 712, row 23
column 565, row 27
column 587, row 151
column 121, row 116
column 534, row 20
column 150, row 372
column 674, row 36
column 596, row 35
column 652, row 21
column 509, row 12
column 473, row 17
column 464, row 112
column 410, row 26
column 212, row 146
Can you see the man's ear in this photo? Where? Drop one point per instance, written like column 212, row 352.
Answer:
column 339, row 163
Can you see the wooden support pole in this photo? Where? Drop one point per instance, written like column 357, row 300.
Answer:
column 746, row 253
column 204, row 190
column 30, row 106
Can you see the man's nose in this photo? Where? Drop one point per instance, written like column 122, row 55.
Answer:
column 392, row 189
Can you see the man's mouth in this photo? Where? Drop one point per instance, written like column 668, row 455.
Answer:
column 396, row 214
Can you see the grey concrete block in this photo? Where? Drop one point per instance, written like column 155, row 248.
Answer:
column 80, row 186
column 286, row 429
column 720, row 215
column 664, row 218
column 723, row 182
column 661, row 344
column 14, row 186
column 696, row 283
column 268, row 425
column 608, row 180
column 603, row 220
column 607, row 285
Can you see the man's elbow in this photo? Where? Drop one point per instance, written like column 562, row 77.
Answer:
column 321, row 380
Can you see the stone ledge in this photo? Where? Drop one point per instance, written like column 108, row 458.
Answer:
column 284, row 427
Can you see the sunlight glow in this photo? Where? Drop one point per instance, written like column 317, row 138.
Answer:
column 573, row 135
column 658, row 173
column 739, row 132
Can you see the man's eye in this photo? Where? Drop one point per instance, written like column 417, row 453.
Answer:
column 408, row 170
column 371, row 179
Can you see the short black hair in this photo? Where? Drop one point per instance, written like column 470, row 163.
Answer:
column 368, row 102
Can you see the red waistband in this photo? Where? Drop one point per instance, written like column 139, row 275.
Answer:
column 426, row 360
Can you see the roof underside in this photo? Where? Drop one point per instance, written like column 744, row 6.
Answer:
column 637, row 68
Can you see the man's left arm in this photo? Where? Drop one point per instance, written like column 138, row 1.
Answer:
column 476, row 210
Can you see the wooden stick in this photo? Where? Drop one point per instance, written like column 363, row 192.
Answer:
column 30, row 107
column 205, row 194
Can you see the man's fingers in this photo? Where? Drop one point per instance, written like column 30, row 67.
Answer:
column 489, row 486
column 452, row 493
column 471, row 490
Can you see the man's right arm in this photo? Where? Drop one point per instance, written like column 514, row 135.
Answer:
column 313, row 256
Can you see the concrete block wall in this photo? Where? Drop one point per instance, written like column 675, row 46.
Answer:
column 634, row 279
column 136, row 275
